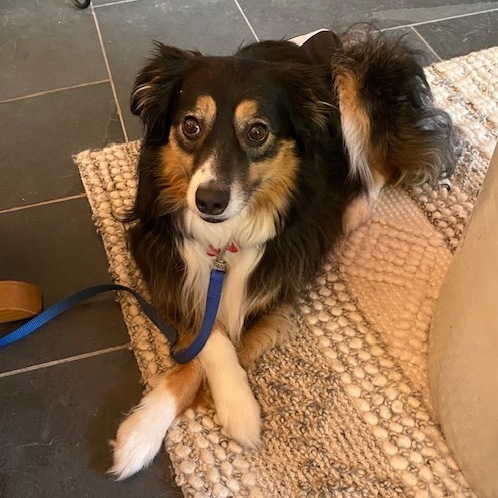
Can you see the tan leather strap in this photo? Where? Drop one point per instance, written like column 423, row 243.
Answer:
column 18, row 300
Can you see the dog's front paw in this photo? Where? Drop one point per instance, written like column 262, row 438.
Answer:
column 140, row 436
column 235, row 404
column 239, row 414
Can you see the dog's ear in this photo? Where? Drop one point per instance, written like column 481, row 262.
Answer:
column 155, row 88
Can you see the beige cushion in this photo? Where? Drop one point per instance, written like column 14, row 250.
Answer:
column 463, row 352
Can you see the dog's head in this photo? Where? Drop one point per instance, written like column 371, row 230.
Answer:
column 231, row 133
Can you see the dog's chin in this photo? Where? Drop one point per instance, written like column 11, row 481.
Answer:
column 213, row 219
column 230, row 213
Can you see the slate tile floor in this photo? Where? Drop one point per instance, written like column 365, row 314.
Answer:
column 65, row 76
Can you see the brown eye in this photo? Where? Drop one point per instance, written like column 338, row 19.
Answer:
column 257, row 133
column 191, row 127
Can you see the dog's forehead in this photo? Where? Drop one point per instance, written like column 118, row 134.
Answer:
column 241, row 87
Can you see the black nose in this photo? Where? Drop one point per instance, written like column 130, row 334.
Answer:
column 210, row 201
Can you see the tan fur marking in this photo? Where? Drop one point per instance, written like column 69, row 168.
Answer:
column 246, row 111
column 176, row 168
column 355, row 124
column 269, row 331
column 277, row 177
column 183, row 382
column 351, row 104
column 363, row 153
column 378, row 163
column 205, row 108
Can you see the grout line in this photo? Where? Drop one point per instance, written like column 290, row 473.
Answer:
column 247, row 20
column 113, row 86
column 46, row 92
column 458, row 16
column 426, row 43
column 112, row 3
column 43, row 203
column 64, row 360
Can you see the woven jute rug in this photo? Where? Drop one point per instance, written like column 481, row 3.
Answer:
column 346, row 406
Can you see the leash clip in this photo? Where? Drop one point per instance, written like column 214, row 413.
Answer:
column 220, row 263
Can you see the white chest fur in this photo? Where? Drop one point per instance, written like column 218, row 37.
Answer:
column 250, row 235
column 234, row 304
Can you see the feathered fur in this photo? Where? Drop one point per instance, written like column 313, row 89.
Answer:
column 380, row 83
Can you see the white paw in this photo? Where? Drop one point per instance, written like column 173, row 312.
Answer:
column 239, row 414
column 357, row 212
column 235, row 405
column 140, row 436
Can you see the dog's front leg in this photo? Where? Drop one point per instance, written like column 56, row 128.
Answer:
column 234, row 401
column 141, row 434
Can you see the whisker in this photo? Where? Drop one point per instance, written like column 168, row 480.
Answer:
column 328, row 104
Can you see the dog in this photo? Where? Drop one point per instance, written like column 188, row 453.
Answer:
column 269, row 156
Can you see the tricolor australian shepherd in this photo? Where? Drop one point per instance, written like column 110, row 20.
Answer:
column 270, row 156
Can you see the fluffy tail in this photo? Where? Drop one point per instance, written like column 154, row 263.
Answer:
column 141, row 434
column 392, row 129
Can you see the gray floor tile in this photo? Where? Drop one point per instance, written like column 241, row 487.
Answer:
column 56, row 424
column 56, row 248
column 456, row 37
column 287, row 18
column 426, row 57
column 106, row 2
column 39, row 135
column 128, row 29
column 46, row 45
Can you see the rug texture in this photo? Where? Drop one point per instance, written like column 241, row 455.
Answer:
column 345, row 404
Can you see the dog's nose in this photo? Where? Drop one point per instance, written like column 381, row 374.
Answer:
column 210, row 201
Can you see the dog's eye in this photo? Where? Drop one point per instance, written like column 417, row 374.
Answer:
column 191, row 127
column 257, row 133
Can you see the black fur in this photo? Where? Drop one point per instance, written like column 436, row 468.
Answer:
column 416, row 140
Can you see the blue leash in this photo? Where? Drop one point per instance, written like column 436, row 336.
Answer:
column 184, row 356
